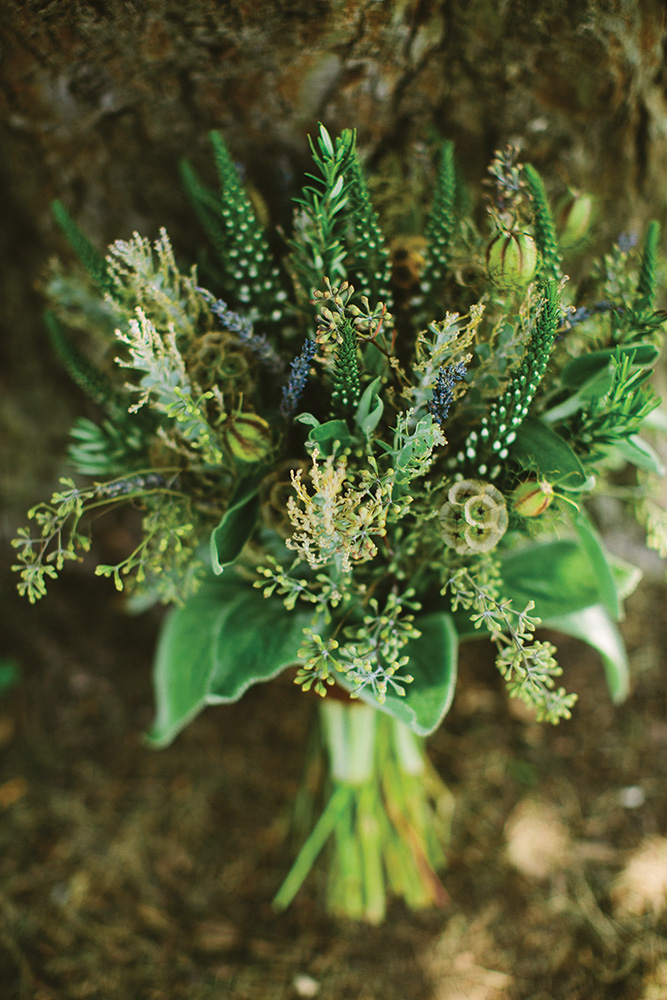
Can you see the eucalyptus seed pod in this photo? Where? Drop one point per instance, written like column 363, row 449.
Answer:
column 530, row 499
column 511, row 259
column 575, row 218
column 248, row 437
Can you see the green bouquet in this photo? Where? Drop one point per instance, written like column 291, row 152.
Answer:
column 349, row 454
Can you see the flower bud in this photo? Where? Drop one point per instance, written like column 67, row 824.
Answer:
column 511, row 259
column 530, row 499
column 248, row 437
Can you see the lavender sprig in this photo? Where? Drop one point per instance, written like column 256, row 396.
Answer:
column 443, row 390
column 244, row 330
column 296, row 383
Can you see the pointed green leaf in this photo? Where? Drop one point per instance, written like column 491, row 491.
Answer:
column 370, row 408
column 433, row 664
column 594, row 549
column 579, row 370
column 539, row 448
column 594, row 626
column 327, row 435
column 236, row 526
column 184, row 659
column 255, row 643
column 559, row 577
column 639, row 453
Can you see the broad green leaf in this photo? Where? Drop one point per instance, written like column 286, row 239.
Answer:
column 581, row 369
column 433, row 664
column 255, row 643
column 594, row 549
column 594, row 626
column 226, row 638
column 539, row 448
column 557, row 576
column 184, row 659
column 638, row 452
column 327, row 435
column 236, row 526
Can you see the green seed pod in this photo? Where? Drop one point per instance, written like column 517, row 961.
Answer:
column 574, row 219
column 474, row 519
column 511, row 259
column 530, row 499
column 248, row 437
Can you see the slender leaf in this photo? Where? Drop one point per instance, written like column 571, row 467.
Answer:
column 593, row 547
column 236, row 526
column 579, row 370
column 638, row 452
column 594, row 626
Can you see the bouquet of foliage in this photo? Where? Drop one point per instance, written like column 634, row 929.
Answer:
column 349, row 454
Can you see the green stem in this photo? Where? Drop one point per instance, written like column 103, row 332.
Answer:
column 334, row 810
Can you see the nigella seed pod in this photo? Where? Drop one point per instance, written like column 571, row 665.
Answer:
column 511, row 259
column 248, row 437
column 575, row 218
column 530, row 499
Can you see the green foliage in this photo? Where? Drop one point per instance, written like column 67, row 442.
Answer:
column 249, row 275
column 78, row 367
column 92, row 259
column 211, row 651
column 368, row 255
column 441, row 228
column 646, row 283
column 318, row 245
column 451, row 447
column 545, row 230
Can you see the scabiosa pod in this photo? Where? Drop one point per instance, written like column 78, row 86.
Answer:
column 474, row 518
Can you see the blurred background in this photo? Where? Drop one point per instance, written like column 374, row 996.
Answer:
column 128, row 873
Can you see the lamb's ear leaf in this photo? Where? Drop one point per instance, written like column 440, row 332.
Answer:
column 595, row 627
column 255, row 643
column 559, row 577
column 433, row 664
column 185, row 660
column 224, row 639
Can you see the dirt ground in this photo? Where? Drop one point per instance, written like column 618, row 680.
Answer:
column 132, row 873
